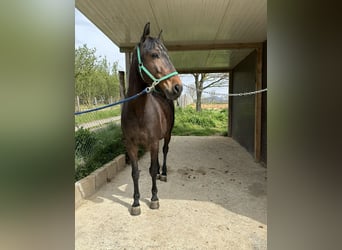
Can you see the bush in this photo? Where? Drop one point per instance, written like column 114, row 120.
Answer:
column 84, row 141
column 94, row 149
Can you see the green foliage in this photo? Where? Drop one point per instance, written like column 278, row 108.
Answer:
column 94, row 77
column 207, row 122
column 84, row 141
column 104, row 145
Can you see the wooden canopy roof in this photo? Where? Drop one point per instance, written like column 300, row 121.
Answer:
column 201, row 35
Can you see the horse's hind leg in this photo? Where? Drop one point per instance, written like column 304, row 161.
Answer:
column 163, row 176
column 153, row 172
column 133, row 155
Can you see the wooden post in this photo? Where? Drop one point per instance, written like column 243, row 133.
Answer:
column 230, row 104
column 122, row 84
column 78, row 109
column 258, row 86
column 128, row 57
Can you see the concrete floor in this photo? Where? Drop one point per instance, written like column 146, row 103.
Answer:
column 215, row 198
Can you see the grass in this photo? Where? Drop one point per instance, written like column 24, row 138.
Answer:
column 94, row 149
column 205, row 123
column 98, row 115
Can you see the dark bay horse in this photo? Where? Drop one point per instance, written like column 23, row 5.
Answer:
column 150, row 117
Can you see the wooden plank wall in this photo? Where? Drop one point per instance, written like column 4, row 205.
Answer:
column 248, row 114
column 243, row 107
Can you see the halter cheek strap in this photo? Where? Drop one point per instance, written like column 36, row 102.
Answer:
column 156, row 81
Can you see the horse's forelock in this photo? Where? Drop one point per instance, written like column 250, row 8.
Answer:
column 154, row 43
column 151, row 43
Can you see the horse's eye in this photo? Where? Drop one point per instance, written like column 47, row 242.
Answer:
column 155, row 55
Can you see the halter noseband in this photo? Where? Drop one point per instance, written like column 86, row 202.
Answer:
column 155, row 80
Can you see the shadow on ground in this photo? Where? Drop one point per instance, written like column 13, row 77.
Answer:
column 212, row 169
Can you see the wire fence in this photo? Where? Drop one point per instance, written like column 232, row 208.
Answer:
column 92, row 116
column 98, row 119
column 97, row 139
column 229, row 94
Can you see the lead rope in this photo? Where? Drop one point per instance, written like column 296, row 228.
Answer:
column 146, row 90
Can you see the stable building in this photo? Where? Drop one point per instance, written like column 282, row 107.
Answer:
column 203, row 36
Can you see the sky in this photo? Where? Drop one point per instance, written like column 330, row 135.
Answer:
column 87, row 33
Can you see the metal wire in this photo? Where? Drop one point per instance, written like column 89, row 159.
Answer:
column 248, row 93
column 231, row 94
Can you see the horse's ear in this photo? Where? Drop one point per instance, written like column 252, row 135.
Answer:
column 161, row 31
column 146, row 32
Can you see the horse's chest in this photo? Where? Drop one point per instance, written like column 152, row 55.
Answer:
column 147, row 122
column 151, row 125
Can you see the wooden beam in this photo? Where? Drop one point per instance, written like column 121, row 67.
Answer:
column 201, row 70
column 128, row 57
column 258, row 86
column 219, row 46
column 180, row 46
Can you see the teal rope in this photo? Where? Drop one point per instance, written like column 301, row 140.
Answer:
column 146, row 90
column 155, row 80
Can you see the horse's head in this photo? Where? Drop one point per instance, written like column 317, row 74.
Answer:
column 155, row 65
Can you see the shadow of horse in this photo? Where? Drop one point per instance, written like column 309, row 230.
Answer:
column 225, row 174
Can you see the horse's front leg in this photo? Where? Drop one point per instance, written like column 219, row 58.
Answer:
column 135, row 210
column 133, row 155
column 154, row 168
column 163, row 176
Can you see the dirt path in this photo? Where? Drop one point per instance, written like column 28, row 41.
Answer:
column 215, row 198
column 92, row 125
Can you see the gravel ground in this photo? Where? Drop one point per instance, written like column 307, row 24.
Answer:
column 215, row 198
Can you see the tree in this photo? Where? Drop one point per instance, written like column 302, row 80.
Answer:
column 208, row 80
column 85, row 61
column 95, row 77
column 192, row 92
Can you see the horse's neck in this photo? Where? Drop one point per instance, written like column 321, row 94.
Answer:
column 135, row 83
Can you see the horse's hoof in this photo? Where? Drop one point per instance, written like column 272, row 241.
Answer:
column 135, row 210
column 163, row 178
column 154, row 205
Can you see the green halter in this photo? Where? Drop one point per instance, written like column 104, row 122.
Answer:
column 155, row 80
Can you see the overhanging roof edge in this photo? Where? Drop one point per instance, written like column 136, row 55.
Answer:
column 208, row 46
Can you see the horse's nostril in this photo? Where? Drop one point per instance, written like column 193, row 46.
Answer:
column 177, row 88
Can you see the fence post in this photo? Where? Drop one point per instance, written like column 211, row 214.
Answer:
column 78, row 109
column 257, row 126
column 122, row 84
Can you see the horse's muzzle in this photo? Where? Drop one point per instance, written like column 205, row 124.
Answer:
column 177, row 90
column 172, row 88
column 174, row 92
